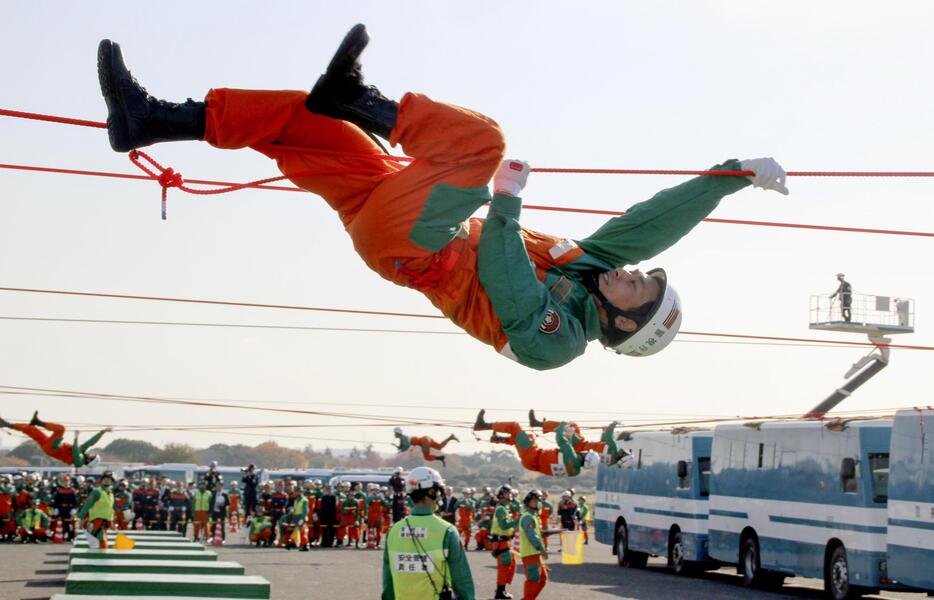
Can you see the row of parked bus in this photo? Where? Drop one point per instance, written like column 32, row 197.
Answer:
column 851, row 502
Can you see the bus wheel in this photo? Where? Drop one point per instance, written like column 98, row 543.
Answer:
column 676, row 555
column 624, row 556
column 749, row 562
column 837, row 576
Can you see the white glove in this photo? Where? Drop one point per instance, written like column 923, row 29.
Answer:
column 769, row 175
column 510, row 177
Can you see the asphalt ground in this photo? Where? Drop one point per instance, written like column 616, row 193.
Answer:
column 36, row 571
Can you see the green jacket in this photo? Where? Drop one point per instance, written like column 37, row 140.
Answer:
column 461, row 579
column 549, row 322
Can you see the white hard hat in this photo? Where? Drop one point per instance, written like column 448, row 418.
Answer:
column 213, row 463
column 591, row 459
column 660, row 325
column 399, row 470
column 397, row 430
column 94, row 461
column 423, row 478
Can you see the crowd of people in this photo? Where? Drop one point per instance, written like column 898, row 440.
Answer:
column 284, row 513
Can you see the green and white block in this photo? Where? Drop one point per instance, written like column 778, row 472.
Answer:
column 145, row 533
column 137, row 554
column 168, row 567
column 153, row 545
column 144, row 584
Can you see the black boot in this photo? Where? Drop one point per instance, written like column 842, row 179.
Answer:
column 501, row 593
column 533, row 422
column 499, row 439
column 136, row 119
column 35, row 421
column 341, row 94
column 480, row 424
column 5, row 423
column 443, row 464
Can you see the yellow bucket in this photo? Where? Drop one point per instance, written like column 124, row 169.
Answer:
column 123, row 542
column 572, row 547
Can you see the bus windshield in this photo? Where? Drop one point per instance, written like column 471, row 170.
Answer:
column 879, row 467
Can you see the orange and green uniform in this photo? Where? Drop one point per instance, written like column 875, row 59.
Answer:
column 99, row 510
column 260, row 529
column 55, row 445
column 33, row 521
column 426, row 443
column 465, row 510
column 531, row 546
column 501, row 532
column 562, row 461
column 607, row 446
column 411, row 224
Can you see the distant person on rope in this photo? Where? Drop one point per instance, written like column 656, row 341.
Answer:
column 845, row 293
column 562, row 461
column 426, row 443
column 610, row 453
column 536, row 298
column 75, row 454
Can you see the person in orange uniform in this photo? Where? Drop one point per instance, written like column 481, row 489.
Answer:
column 55, row 446
column 544, row 515
column 536, row 298
column 426, row 443
column 532, row 547
column 562, row 461
column 466, row 506
column 609, row 451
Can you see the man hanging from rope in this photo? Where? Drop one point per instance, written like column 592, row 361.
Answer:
column 74, row 454
column 536, row 298
column 610, row 453
column 426, row 443
column 562, row 461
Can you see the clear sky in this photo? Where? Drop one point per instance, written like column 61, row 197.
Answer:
column 818, row 85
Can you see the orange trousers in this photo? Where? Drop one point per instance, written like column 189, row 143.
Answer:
column 427, row 444
column 62, row 453
column 536, row 576
column 380, row 201
column 201, row 523
column 464, row 523
column 532, row 457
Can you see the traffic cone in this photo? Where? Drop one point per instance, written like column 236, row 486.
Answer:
column 58, row 534
column 371, row 538
column 234, row 523
column 218, row 534
column 139, row 524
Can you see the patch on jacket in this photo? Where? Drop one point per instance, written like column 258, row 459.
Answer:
column 561, row 289
column 551, row 323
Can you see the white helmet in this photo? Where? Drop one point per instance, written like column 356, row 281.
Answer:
column 591, row 459
column 423, row 478
column 659, row 327
column 94, row 461
column 397, row 430
column 399, row 470
column 213, row 464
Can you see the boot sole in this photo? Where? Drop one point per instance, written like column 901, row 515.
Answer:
column 116, row 121
column 349, row 50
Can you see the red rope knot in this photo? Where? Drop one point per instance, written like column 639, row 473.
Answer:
column 167, row 177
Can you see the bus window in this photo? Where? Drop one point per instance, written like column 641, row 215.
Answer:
column 703, row 466
column 684, row 475
column 639, row 461
column 848, row 476
column 879, row 467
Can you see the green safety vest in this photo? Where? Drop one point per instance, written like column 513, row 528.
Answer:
column 300, row 507
column 525, row 545
column 202, row 500
column 409, row 567
column 104, row 507
column 33, row 518
column 496, row 529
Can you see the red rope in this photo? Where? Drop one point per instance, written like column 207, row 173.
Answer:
column 262, row 184
column 416, row 315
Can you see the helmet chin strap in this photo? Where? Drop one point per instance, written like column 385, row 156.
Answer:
column 612, row 335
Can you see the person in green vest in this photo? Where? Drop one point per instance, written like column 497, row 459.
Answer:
column 201, row 502
column 261, row 528
column 532, row 547
column 501, row 533
column 99, row 510
column 585, row 516
column 297, row 520
column 423, row 559
column 220, row 509
column 33, row 523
